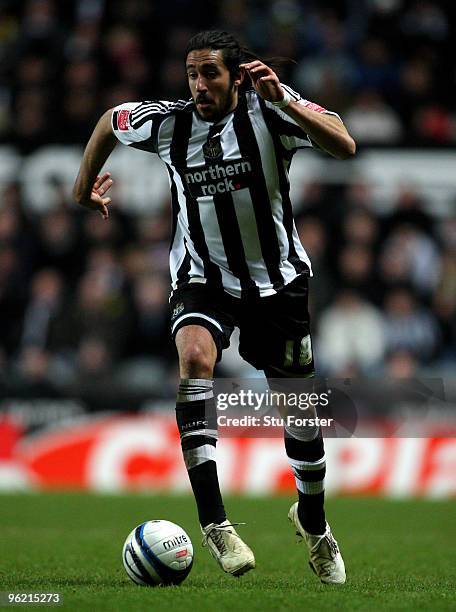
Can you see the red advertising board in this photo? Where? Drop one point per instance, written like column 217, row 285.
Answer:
column 137, row 452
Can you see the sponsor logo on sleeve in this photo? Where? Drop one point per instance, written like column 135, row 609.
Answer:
column 123, row 120
column 315, row 107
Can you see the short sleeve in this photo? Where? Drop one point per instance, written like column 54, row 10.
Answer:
column 291, row 134
column 124, row 127
column 136, row 124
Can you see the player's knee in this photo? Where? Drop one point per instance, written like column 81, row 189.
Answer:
column 197, row 352
column 196, row 361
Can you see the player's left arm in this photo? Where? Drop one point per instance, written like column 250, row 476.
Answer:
column 327, row 131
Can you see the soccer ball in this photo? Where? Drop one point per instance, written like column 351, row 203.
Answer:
column 157, row 553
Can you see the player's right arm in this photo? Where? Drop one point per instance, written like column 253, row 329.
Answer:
column 90, row 188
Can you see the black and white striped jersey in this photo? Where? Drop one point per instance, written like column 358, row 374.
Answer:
column 232, row 218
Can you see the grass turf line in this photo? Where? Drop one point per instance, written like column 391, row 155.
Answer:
column 400, row 555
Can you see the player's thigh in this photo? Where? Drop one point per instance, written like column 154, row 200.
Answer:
column 200, row 318
column 275, row 336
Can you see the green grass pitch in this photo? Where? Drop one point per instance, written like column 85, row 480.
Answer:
column 400, row 555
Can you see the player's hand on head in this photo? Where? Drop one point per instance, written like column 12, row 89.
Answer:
column 98, row 200
column 265, row 80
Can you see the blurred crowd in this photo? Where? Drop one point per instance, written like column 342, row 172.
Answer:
column 84, row 302
column 386, row 65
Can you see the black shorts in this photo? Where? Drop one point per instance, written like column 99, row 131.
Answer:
column 274, row 330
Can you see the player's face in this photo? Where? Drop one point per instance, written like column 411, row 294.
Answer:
column 213, row 90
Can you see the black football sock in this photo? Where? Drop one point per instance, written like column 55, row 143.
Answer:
column 197, row 421
column 307, row 459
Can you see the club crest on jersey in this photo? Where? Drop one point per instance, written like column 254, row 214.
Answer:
column 178, row 308
column 212, row 149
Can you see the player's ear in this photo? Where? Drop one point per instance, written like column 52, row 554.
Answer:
column 239, row 77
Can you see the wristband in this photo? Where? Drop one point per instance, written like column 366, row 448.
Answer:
column 285, row 101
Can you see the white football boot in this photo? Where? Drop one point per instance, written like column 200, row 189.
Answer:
column 325, row 558
column 227, row 548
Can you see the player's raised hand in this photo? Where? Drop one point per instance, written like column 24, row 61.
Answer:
column 265, row 80
column 98, row 201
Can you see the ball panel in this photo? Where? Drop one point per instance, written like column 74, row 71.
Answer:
column 143, row 562
column 131, row 568
column 143, row 567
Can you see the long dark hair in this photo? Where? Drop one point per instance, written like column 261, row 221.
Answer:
column 233, row 53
